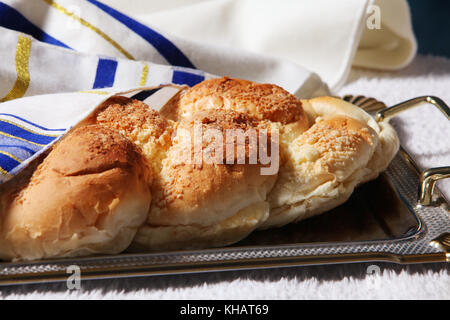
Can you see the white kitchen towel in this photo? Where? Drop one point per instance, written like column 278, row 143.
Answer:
column 257, row 40
column 325, row 36
column 94, row 46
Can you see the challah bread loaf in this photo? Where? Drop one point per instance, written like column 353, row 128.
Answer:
column 129, row 177
column 89, row 195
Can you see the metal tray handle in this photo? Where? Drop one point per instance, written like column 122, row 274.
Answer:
column 428, row 177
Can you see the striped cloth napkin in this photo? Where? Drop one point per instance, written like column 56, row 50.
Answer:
column 94, row 46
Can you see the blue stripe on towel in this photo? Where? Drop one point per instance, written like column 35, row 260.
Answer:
column 8, row 163
column 106, row 73
column 182, row 77
column 12, row 19
column 167, row 49
column 29, row 122
column 17, row 132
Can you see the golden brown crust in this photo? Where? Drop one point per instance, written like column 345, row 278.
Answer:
column 89, row 150
column 131, row 115
column 146, row 128
column 89, row 195
column 260, row 101
column 215, row 123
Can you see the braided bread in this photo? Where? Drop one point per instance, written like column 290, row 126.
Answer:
column 218, row 161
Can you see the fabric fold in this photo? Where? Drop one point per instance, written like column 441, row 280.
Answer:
column 325, row 36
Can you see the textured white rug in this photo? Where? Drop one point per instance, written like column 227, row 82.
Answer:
column 423, row 131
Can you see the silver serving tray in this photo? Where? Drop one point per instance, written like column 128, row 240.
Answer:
column 399, row 217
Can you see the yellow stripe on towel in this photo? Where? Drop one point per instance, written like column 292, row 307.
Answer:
column 85, row 23
column 23, row 75
column 144, row 75
column 3, row 171
column 103, row 93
